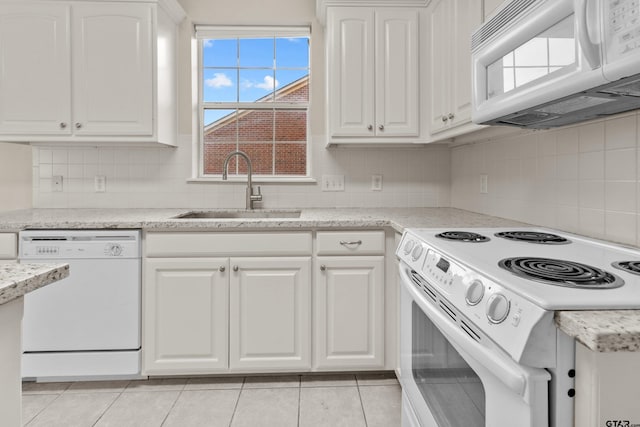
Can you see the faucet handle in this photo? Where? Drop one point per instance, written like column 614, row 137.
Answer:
column 256, row 197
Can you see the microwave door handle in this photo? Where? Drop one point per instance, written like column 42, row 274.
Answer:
column 590, row 50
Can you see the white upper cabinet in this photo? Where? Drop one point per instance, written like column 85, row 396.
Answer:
column 88, row 72
column 451, row 23
column 112, row 68
column 372, row 59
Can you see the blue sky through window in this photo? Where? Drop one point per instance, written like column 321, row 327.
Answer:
column 249, row 69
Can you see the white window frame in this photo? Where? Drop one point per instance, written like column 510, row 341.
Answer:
column 205, row 32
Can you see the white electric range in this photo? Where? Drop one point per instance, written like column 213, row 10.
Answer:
column 478, row 343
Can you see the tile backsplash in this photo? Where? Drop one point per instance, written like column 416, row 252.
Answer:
column 157, row 177
column 581, row 179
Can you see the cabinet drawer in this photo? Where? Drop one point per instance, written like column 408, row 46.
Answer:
column 350, row 243
column 8, row 246
column 168, row 244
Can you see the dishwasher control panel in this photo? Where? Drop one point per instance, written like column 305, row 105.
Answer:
column 78, row 244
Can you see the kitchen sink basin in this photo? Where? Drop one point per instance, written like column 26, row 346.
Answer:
column 233, row 214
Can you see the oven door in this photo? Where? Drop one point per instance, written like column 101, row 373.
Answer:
column 450, row 379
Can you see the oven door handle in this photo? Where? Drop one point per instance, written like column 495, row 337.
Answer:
column 504, row 368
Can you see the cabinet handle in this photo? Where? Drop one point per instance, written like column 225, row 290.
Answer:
column 222, row 269
column 63, row 125
column 381, row 127
column 451, row 116
column 323, row 267
column 370, row 127
column 78, row 125
column 235, row 268
column 349, row 243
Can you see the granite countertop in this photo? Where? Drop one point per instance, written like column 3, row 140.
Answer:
column 162, row 219
column 602, row 330
column 598, row 330
column 18, row 279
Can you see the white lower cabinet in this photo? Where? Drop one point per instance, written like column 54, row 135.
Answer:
column 348, row 301
column 270, row 313
column 208, row 313
column 186, row 315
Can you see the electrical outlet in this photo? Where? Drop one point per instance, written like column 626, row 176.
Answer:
column 376, row 182
column 100, row 184
column 56, row 183
column 332, row 182
column 484, row 183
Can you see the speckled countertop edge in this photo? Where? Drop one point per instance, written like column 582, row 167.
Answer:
column 602, row 330
column 19, row 279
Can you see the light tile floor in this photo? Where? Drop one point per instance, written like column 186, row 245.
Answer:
column 350, row 400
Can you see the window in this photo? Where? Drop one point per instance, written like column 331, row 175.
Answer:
column 254, row 97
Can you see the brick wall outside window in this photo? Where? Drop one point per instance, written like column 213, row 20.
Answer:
column 274, row 140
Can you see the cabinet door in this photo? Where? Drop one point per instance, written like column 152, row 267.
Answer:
column 466, row 17
column 350, row 45
column 349, row 312
column 185, row 327
column 440, row 45
column 270, row 313
column 396, row 72
column 34, row 69
column 112, row 69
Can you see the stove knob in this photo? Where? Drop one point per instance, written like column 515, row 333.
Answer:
column 417, row 251
column 498, row 308
column 408, row 246
column 475, row 292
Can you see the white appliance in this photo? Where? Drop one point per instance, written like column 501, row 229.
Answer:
column 478, row 344
column 87, row 325
column 548, row 63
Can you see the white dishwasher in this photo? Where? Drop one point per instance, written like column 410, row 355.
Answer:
column 87, row 325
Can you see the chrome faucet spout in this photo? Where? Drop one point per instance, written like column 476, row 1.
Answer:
column 251, row 198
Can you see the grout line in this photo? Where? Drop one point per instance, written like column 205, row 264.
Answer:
column 111, row 404
column 235, row 408
column 299, row 400
column 173, row 405
column 364, row 414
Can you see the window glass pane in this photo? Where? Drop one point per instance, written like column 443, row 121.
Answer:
column 214, row 155
column 255, row 126
column 257, row 85
column 261, row 156
column 220, row 53
column 220, row 85
column 256, row 53
column 292, row 86
column 292, row 52
column 220, row 125
column 291, row 125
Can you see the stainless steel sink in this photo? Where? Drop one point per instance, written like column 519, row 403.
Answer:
column 232, row 214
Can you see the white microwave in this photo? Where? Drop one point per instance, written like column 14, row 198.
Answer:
column 548, row 63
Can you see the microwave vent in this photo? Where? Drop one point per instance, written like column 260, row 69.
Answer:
column 499, row 21
column 528, row 118
column 628, row 88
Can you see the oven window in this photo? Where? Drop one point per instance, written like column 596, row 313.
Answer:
column 451, row 389
column 552, row 50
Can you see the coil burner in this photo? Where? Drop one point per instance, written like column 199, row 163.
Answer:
column 534, row 237
column 463, row 236
column 561, row 273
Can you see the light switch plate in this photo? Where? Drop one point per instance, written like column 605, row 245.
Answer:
column 332, row 182
column 376, row 182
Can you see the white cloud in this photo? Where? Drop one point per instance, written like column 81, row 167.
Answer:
column 207, row 43
column 219, row 80
column 269, row 83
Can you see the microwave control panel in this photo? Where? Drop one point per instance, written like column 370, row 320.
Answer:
column 623, row 27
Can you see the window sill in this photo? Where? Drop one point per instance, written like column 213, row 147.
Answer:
column 254, row 179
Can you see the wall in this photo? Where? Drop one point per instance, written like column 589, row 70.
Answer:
column 581, row 179
column 157, row 177
column 15, row 176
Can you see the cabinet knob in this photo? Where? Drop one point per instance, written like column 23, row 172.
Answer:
column 381, row 127
column 323, row 267
column 445, row 118
column 63, row 125
column 451, row 116
column 222, row 269
column 235, row 268
column 370, row 127
column 78, row 125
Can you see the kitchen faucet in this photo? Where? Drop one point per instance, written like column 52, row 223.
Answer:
column 250, row 196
